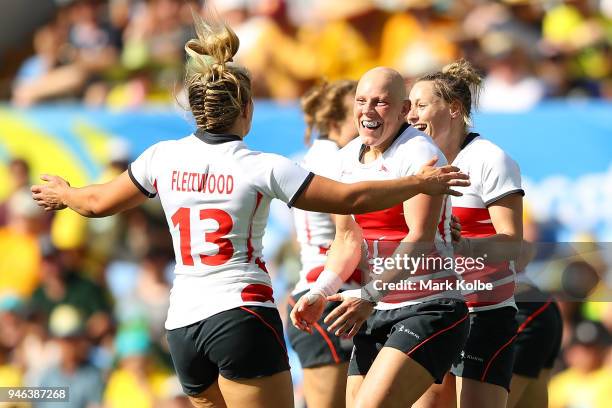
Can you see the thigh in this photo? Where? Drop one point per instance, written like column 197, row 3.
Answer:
column 321, row 347
column 353, row 384
column 325, row 386
column 488, row 354
column 439, row 395
column 394, row 380
column 271, row 391
column 518, row 385
column 535, row 394
column 477, row 394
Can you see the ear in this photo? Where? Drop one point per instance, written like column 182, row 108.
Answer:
column 248, row 109
column 455, row 110
column 405, row 108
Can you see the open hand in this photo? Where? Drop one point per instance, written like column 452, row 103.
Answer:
column 49, row 195
column 439, row 180
column 349, row 315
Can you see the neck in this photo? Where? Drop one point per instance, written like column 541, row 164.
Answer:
column 237, row 129
column 334, row 136
column 373, row 152
column 450, row 143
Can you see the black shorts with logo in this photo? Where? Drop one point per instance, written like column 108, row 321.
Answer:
column 538, row 340
column 432, row 333
column 488, row 355
column 320, row 347
column 241, row 343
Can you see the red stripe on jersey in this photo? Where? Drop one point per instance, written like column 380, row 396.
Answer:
column 421, row 274
column 475, row 222
column 250, row 248
column 314, row 273
column 389, row 223
column 155, row 185
column 261, row 264
column 256, row 292
column 307, row 226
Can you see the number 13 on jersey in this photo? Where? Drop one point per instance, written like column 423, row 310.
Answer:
column 182, row 219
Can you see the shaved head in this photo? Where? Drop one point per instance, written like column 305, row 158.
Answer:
column 380, row 106
column 387, row 79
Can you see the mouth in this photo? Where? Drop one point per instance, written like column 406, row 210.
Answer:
column 420, row 126
column 371, row 124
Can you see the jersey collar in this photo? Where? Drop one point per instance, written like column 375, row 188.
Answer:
column 216, row 138
column 468, row 139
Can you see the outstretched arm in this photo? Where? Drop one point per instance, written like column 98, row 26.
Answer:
column 368, row 196
column 96, row 200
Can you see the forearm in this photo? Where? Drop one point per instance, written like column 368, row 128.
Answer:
column 344, row 255
column 368, row 196
column 85, row 201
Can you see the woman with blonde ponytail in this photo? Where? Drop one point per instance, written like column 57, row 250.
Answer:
column 490, row 213
column 224, row 332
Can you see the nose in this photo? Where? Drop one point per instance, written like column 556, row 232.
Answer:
column 369, row 109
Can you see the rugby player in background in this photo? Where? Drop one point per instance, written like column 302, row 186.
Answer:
column 328, row 113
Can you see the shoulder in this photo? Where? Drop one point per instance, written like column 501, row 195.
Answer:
column 164, row 146
column 491, row 155
column 321, row 149
column 352, row 147
column 414, row 144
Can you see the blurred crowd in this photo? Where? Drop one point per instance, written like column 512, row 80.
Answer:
column 83, row 304
column 125, row 53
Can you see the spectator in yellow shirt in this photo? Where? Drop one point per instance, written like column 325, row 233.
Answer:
column 137, row 382
column 19, row 272
column 586, row 383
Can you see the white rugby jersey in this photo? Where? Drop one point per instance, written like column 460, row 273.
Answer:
column 383, row 230
column 493, row 175
column 315, row 231
column 216, row 195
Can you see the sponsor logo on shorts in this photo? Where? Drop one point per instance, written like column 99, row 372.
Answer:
column 470, row 357
column 406, row 330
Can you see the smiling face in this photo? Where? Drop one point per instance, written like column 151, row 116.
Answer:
column 429, row 113
column 379, row 108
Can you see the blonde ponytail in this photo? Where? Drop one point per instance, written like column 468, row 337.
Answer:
column 218, row 89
